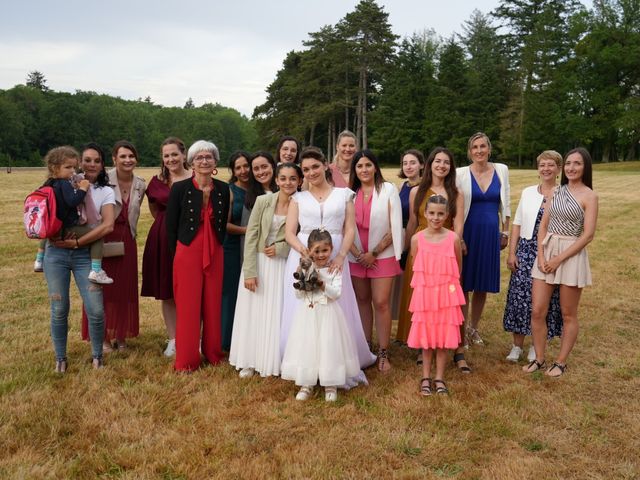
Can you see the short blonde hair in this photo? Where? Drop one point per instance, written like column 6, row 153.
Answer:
column 550, row 155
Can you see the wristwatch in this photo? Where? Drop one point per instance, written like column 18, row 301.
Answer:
column 375, row 253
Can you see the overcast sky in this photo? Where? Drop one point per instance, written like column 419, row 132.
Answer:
column 213, row 51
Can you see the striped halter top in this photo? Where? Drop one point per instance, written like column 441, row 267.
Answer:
column 566, row 216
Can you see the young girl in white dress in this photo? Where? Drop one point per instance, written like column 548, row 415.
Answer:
column 320, row 347
column 255, row 340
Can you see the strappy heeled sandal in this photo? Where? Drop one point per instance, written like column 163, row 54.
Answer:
column 442, row 389
column 459, row 357
column 559, row 366
column 383, row 361
column 534, row 366
column 425, row 387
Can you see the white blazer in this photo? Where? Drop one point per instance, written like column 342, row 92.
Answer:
column 463, row 182
column 386, row 214
column 527, row 211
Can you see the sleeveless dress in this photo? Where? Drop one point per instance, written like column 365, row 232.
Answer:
column 255, row 342
column 320, row 347
column 404, row 318
column 566, row 224
column 517, row 310
column 232, row 265
column 121, row 313
column 329, row 214
column 481, row 265
column 157, row 263
column 437, row 295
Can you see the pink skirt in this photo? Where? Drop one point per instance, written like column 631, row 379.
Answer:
column 384, row 267
column 573, row 272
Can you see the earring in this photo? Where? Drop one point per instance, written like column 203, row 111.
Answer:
column 215, row 171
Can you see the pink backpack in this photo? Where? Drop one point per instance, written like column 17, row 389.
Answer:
column 40, row 220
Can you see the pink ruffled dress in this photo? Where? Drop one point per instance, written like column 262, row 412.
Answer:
column 437, row 296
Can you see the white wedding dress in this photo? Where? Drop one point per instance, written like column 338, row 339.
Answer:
column 329, row 215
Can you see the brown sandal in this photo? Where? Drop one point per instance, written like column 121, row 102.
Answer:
column 425, row 387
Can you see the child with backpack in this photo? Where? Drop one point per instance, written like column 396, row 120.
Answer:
column 62, row 163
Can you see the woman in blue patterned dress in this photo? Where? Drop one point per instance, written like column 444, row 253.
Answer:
column 232, row 246
column 523, row 250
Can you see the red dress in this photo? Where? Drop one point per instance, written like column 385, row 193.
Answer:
column 437, row 295
column 197, row 287
column 157, row 264
column 121, row 315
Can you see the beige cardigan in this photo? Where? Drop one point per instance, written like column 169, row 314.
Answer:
column 135, row 198
column 257, row 232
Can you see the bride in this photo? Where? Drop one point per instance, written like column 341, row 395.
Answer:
column 331, row 208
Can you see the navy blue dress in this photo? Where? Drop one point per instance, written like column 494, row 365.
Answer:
column 481, row 265
column 517, row 311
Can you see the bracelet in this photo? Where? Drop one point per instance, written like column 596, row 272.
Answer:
column 506, row 235
column 375, row 253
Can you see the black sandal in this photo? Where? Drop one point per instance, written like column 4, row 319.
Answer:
column 425, row 387
column 536, row 364
column 441, row 390
column 559, row 366
column 458, row 357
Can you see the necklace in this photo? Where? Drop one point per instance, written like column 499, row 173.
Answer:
column 343, row 172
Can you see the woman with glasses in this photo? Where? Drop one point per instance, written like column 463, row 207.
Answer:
column 197, row 216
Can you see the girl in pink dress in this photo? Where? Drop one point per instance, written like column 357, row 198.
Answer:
column 437, row 294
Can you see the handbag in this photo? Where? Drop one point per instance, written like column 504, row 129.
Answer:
column 113, row 249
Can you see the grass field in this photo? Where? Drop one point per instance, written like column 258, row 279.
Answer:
column 137, row 419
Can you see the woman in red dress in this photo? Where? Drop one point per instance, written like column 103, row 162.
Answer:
column 197, row 216
column 157, row 264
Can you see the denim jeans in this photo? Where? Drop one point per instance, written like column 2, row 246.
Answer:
column 58, row 265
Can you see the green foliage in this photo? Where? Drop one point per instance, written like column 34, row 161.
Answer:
column 33, row 121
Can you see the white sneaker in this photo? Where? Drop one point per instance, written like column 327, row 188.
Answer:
column 100, row 277
column 531, row 356
column 247, row 372
column 330, row 394
column 514, row 354
column 37, row 266
column 304, row 393
column 170, row 351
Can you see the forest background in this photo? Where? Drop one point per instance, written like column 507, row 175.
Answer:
column 532, row 74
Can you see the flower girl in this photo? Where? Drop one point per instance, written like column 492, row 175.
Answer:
column 319, row 347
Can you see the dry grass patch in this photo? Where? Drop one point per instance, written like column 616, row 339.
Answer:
column 137, row 419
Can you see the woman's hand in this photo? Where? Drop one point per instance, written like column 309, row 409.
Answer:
column 367, row 260
column 66, row 243
column 504, row 241
column 552, row 264
column 251, row 284
column 463, row 247
column 512, row 262
column 336, row 264
column 270, row 251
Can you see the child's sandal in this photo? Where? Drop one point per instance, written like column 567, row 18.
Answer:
column 425, row 387
column 442, row 389
column 383, row 361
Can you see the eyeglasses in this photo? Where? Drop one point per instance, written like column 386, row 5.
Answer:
column 203, row 158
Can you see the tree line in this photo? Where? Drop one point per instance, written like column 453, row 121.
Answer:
column 33, row 119
column 532, row 74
